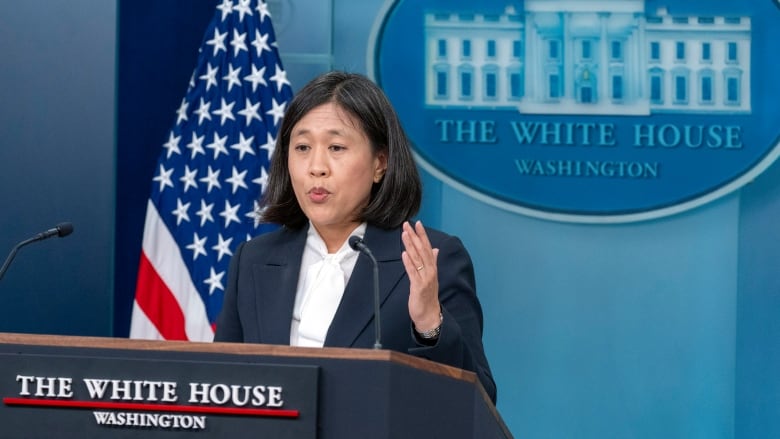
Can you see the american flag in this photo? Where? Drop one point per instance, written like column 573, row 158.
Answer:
column 210, row 175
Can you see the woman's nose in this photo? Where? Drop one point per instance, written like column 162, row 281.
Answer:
column 318, row 166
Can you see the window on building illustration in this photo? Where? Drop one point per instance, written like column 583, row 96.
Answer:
column 466, row 49
column 680, row 89
column 655, row 51
column 616, row 50
column 555, row 86
column 586, row 49
column 491, row 85
column 656, row 88
column 517, row 49
column 515, row 85
column 555, row 48
column 679, row 53
column 731, row 52
column 706, row 88
column 442, row 78
column 732, row 89
column 617, row 87
column 706, row 52
column 466, row 78
column 441, row 50
column 491, row 48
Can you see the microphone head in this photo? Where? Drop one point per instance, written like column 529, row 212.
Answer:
column 64, row 229
column 355, row 242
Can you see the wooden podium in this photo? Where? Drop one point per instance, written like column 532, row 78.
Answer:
column 78, row 387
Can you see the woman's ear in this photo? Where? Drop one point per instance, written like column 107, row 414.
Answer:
column 380, row 166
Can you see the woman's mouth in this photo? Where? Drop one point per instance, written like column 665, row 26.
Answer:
column 318, row 194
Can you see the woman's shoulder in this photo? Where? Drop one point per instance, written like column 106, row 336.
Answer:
column 279, row 237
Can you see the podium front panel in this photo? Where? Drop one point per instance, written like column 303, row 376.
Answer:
column 66, row 396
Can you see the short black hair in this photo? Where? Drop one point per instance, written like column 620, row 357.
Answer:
column 395, row 199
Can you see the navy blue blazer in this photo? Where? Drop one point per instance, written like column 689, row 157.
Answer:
column 263, row 279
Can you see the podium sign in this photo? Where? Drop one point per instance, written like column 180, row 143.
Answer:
column 83, row 396
column 77, row 387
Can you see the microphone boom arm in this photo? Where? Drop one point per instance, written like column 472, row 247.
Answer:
column 62, row 229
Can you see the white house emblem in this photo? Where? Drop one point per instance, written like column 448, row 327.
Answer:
column 588, row 111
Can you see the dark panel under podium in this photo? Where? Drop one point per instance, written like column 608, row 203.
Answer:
column 77, row 387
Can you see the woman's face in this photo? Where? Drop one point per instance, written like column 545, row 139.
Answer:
column 332, row 167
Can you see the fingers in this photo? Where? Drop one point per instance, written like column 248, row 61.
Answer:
column 419, row 255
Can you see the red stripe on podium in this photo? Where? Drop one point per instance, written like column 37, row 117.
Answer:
column 277, row 413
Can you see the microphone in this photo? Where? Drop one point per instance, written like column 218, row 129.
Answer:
column 357, row 244
column 61, row 230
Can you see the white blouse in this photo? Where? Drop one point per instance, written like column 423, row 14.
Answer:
column 321, row 283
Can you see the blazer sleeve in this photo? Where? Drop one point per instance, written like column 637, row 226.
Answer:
column 228, row 322
column 460, row 339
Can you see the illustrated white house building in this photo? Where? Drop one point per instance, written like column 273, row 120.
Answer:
column 578, row 56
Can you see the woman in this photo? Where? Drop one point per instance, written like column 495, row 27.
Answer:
column 343, row 167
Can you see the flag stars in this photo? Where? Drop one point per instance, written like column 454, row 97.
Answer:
column 250, row 111
column 225, row 111
column 181, row 113
column 196, row 145
column 277, row 110
column 230, row 213
column 226, row 7
column 269, row 145
column 172, row 145
column 214, row 281
column 244, row 146
column 238, row 42
column 222, row 247
column 212, row 179
column 218, row 145
column 262, row 180
column 237, row 180
column 181, row 211
column 243, row 9
column 280, row 78
column 257, row 77
column 198, row 246
column 203, row 111
column 260, row 42
column 262, row 9
column 205, row 213
column 232, row 77
column 210, row 77
column 164, row 177
column 189, row 178
column 256, row 215
column 219, row 39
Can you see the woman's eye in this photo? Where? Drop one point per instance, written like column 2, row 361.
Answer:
column 337, row 148
column 301, row 148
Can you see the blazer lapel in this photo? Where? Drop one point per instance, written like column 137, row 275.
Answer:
column 276, row 280
column 356, row 309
